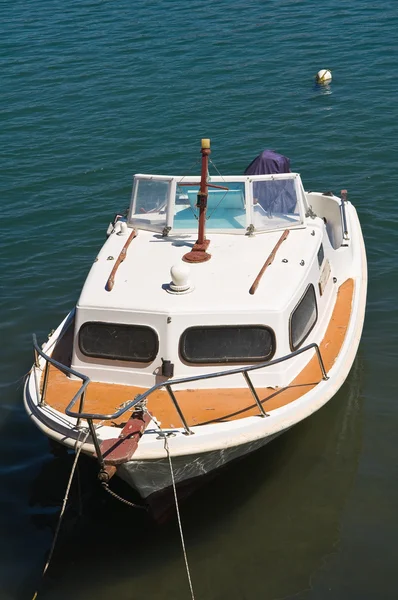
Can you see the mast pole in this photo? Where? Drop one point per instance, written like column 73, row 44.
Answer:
column 203, row 192
column 198, row 252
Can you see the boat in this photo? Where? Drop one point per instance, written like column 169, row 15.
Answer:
column 221, row 311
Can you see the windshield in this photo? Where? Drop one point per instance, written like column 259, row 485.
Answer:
column 149, row 205
column 225, row 207
column 234, row 203
column 275, row 204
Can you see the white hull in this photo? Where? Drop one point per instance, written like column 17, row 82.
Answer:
column 220, row 441
column 149, row 477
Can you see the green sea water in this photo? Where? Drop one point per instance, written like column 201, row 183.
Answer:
column 94, row 91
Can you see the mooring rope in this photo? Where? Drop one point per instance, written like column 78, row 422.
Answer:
column 61, row 514
column 78, row 449
column 164, row 435
column 166, row 446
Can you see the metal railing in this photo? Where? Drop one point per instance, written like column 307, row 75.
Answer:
column 343, row 214
column 140, row 398
column 64, row 369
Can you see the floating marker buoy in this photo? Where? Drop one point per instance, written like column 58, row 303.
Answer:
column 323, row 76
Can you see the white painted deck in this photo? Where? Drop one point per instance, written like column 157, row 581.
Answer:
column 221, row 285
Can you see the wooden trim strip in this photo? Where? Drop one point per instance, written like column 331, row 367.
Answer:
column 268, row 262
column 111, row 279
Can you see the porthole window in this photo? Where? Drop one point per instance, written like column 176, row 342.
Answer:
column 303, row 318
column 118, row 341
column 227, row 344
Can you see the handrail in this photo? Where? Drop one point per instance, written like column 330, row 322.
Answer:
column 343, row 215
column 86, row 380
column 111, row 279
column 269, row 261
column 80, row 394
column 141, row 397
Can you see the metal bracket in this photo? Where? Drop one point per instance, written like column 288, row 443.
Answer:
column 310, row 213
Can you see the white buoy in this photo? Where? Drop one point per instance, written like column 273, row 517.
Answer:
column 323, row 76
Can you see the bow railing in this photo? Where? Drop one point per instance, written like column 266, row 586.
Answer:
column 140, row 399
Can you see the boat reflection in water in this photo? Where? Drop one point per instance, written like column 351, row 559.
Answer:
column 262, row 528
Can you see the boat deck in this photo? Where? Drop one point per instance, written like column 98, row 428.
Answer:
column 202, row 406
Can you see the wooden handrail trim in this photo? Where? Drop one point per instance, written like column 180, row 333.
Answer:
column 111, row 279
column 268, row 262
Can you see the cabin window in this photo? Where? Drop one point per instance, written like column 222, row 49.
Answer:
column 118, row 341
column 227, row 344
column 303, row 318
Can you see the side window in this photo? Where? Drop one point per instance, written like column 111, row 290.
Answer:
column 117, row 341
column 303, row 318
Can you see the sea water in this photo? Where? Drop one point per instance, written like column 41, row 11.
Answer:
column 93, row 91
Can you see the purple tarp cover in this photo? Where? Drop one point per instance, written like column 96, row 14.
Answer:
column 274, row 196
column 268, row 162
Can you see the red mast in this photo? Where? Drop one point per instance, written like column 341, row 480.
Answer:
column 198, row 252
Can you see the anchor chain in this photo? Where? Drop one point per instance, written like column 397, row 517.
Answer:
column 106, row 487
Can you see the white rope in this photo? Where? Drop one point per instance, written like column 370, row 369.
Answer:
column 166, row 446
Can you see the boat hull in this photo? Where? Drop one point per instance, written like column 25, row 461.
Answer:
column 217, row 443
column 148, row 477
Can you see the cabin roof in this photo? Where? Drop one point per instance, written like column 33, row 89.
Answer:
column 221, row 285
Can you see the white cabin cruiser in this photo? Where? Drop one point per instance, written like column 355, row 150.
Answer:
column 220, row 312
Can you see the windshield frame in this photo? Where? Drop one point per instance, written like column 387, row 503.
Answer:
column 167, row 222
